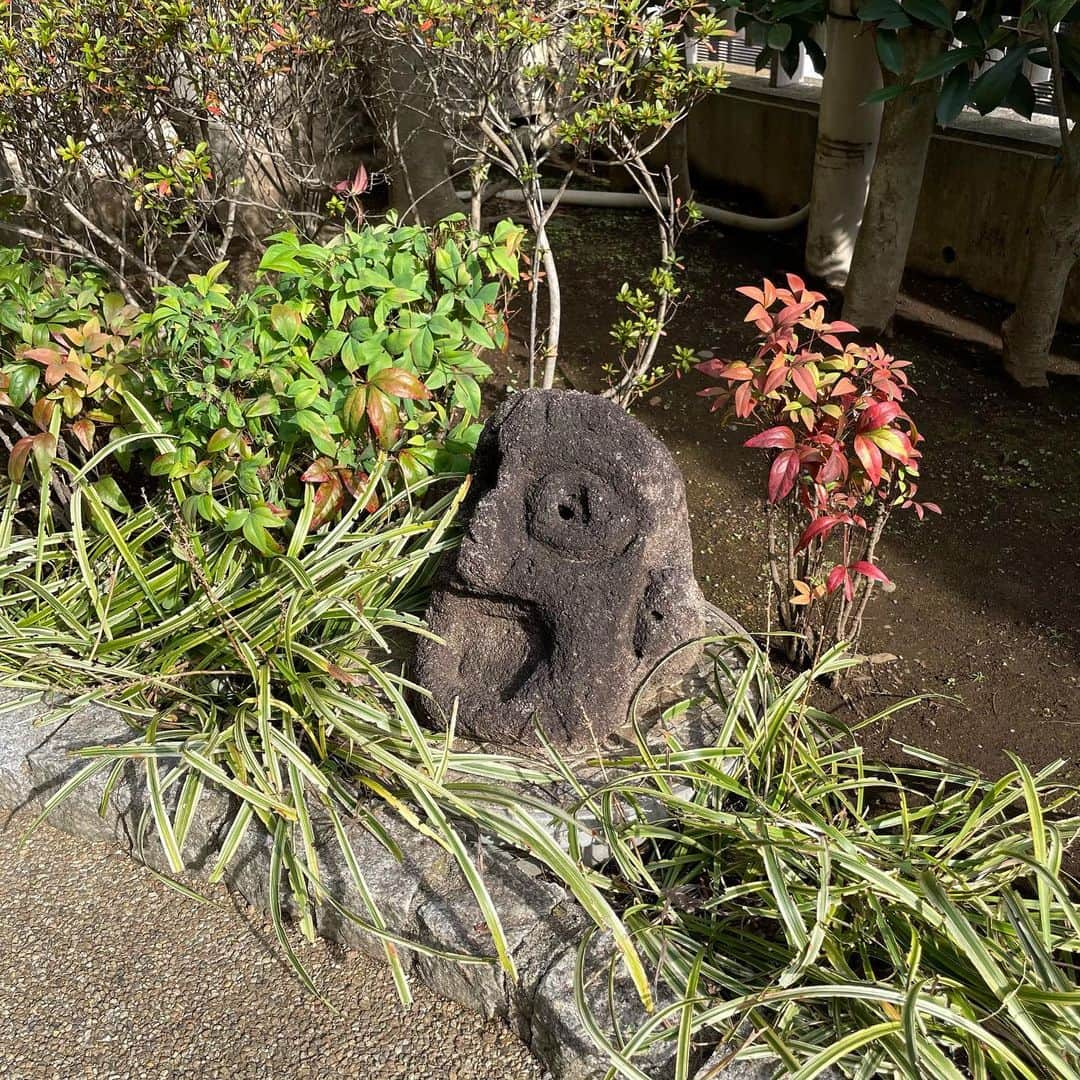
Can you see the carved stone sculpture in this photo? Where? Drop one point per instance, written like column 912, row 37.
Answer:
column 574, row 576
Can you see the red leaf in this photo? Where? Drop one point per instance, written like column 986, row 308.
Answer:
column 329, row 496
column 20, row 454
column 383, row 415
column 836, row 576
column 744, row 400
column 880, row 414
column 804, row 380
column 779, row 437
column 319, row 471
column 751, row 293
column 782, row 475
column 870, row 458
column 822, row 526
column 758, row 314
column 869, row 570
column 835, row 467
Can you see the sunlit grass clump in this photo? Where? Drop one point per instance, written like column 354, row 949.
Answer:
column 805, row 903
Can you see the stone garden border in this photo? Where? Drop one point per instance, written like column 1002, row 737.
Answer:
column 423, row 897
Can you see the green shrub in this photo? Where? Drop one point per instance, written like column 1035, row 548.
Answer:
column 271, row 402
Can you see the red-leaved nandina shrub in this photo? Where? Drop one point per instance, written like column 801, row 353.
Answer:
column 844, row 456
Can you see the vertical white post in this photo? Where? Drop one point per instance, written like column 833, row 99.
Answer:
column 846, row 143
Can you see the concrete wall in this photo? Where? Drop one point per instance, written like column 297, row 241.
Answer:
column 984, row 179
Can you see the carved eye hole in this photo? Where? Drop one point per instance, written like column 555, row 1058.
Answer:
column 579, row 514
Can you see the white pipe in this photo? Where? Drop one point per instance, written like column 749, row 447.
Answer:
column 629, row 200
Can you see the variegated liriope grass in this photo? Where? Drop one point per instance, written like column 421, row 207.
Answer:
column 801, row 903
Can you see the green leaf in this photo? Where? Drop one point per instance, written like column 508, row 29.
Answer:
column 932, row 12
column 108, row 491
column 886, row 13
column 329, row 344
column 992, row 86
column 779, row 36
column 944, row 63
column 953, row 96
column 886, row 93
column 286, row 321
column 890, row 51
column 22, row 379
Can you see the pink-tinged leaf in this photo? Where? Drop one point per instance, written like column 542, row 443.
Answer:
column 758, row 314
column 894, row 443
column 43, row 355
column 776, row 376
column 869, row 570
column 832, row 341
column 804, row 379
column 843, row 386
column 836, row 578
column 879, row 415
column 712, row 369
column 769, row 289
column 869, row 457
column 400, row 383
column 795, row 283
column 319, row 471
column 751, row 293
column 782, row 475
column 83, row 430
column 838, row 326
column 773, row 438
column 744, row 400
column 933, row 507
column 737, row 372
column 17, row 459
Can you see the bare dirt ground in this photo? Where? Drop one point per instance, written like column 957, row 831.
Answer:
column 987, row 607
column 106, row 972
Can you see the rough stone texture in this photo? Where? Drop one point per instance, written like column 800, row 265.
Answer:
column 453, row 922
column 558, row 1036
column 574, row 578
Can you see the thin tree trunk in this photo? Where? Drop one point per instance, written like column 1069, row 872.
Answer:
column 907, row 123
column 844, row 152
column 551, row 280
column 1028, row 333
column 420, row 182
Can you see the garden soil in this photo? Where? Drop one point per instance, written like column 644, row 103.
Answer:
column 985, row 616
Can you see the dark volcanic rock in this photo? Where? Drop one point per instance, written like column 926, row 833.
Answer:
column 573, row 579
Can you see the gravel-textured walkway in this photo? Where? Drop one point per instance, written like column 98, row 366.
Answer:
column 106, row 972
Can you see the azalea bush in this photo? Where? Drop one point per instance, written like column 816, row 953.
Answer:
column 256, row 407
column 844, row 456
column 145, row 137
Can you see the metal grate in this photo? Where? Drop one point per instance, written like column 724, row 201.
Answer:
column 727, row 50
